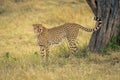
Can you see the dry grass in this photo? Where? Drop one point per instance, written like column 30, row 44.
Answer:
column 29, row 67
column 19, row 58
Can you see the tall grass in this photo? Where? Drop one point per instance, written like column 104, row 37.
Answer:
column 29, row 67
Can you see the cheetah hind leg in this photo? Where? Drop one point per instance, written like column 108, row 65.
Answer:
column 73, row 47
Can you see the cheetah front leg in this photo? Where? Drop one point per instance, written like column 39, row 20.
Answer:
column 42, row 48
column 42, row 51
column 47, row 52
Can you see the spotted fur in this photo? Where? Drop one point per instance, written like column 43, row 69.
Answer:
column 69, row 31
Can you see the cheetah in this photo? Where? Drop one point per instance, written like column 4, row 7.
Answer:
column 51, row 36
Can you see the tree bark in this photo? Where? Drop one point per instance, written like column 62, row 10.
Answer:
column 109, row 12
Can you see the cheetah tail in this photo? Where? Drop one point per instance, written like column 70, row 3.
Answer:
column 99, row 24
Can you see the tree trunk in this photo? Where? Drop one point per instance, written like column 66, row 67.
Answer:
column 109, row 12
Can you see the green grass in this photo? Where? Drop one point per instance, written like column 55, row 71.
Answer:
column 19, row 52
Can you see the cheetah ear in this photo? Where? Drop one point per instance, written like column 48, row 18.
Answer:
column 33, row 25
column 36, row 25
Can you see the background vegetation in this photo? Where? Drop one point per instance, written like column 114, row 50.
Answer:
column 19, row 52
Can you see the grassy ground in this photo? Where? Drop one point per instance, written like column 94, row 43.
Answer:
column 19, row 58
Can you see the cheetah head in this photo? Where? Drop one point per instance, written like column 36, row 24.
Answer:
column 38, row 28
